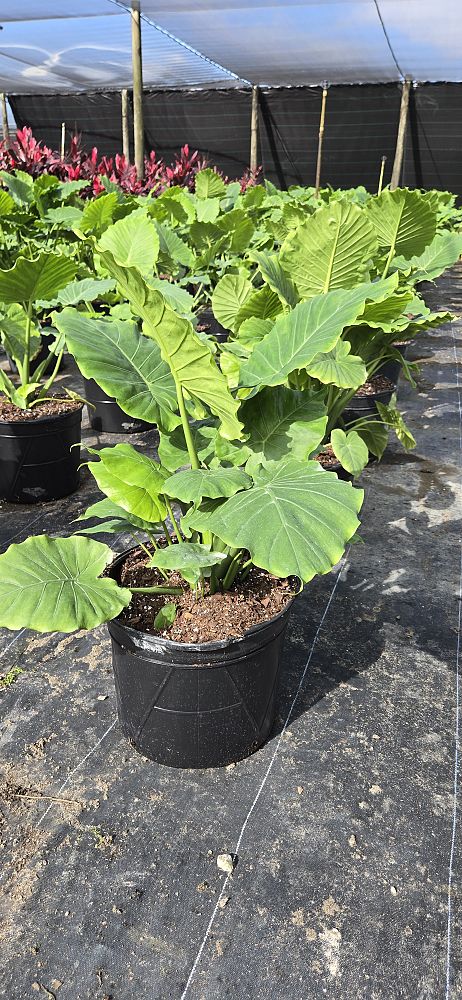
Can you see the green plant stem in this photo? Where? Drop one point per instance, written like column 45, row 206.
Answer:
column 140, row 543
column 156, row 590
column 172, row 518
column 152, row 540
column 186, row 428
column 26, row 370
column 166, row 533
column 391, row 254
column 232, row 571
column 52, row 377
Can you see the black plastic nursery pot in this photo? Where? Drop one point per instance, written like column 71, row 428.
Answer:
column 391, row 368
column 193, row 706
column 37, row 460
column 106, row 415
column 364, row 406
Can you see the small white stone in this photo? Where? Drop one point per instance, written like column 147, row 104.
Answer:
column 393, row 890
column 223, row 902
column 225, row 863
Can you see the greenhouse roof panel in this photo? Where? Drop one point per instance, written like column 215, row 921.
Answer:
column 52, row 45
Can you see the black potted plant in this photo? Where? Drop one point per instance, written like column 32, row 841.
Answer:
column 37, row 431
column 198, row 608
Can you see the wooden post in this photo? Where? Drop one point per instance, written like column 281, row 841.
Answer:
column 382, row 171
column 63, row 139
column 396, row 173
column 254, row 131
column 320, row 140
column 137, row 71
column 125, row 129
column 5, row 129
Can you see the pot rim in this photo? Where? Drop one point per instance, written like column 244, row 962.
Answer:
column 148, row 640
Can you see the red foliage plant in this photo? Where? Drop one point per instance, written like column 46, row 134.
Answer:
column 35, row 158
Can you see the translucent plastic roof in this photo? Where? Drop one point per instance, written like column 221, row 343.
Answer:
column 75, row 45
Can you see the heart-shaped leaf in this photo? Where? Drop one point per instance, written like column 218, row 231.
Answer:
column 350, row 450
column 339, row 367
column 194, row 484
column 295, row 520
column 332, row 249
column 133, row 241
column 55, row 584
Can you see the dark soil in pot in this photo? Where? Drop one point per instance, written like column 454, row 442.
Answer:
column 107, row 416
column 379, row 389
column 195, row 703
column 208, row 323
column 330, row 462
column 37, row 460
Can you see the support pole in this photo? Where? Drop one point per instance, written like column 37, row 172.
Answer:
column 382, row 171
column 320, row 140
column 254, row 131
column 63, row 139
column 5, row 129
column 138, row 125
column 399, row 151
column 125, row 129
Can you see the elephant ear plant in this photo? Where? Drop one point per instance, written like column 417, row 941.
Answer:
column 202, row 527
column 21, row 289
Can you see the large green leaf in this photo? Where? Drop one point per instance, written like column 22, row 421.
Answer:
column 192, row 485
column 86, row 290
column 229, row 295
column 281, row 422
column 98, row 213
column 238, row 227
column 125, row 364
column 332, row 249
column 209, row 184
column 131, row 480
column 444, row 251
column 403, row 221
column 35, row 279
column 295, row 520
column 191, row 363
column 133, row 241
column 350, row 450
column 339, row 367
column 296, row 338
column 55, row 584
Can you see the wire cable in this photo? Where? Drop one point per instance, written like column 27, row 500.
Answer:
column 387, row 37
